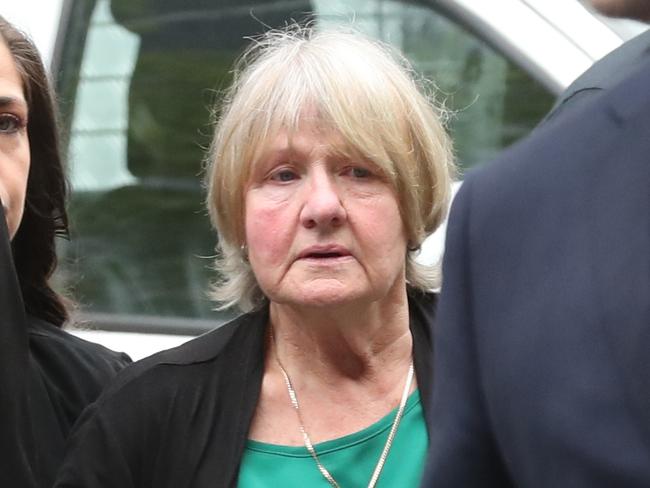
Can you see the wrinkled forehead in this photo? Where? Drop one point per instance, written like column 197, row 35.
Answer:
column 298, row 137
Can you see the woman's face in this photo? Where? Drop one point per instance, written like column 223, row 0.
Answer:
column 14, row 145
column 322, row 229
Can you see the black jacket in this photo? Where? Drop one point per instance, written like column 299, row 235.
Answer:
column 47, row 377
column 181, row 418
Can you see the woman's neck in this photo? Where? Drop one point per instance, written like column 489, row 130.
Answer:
column 355, row 342
column 347, row 366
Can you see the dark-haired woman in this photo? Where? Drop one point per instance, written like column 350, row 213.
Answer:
column 47, row 376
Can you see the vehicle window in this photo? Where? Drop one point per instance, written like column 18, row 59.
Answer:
column 139, row 79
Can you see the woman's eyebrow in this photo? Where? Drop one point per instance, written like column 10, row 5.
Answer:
column 274, row 155
column 11, row 101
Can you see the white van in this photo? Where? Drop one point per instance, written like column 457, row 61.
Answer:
column 136, row 79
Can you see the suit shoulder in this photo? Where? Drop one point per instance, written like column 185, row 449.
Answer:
column 604, row 74
column 558, row 155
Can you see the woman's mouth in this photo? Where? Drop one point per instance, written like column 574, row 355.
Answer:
column 324, row 253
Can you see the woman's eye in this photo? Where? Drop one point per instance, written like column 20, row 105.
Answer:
column 359, row 172
column 10, row 123
column 284, row 176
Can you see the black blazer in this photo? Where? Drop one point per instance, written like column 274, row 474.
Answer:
column 542, row 351
column 47, row 377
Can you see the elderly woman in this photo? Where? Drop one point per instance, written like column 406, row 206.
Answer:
column 328, row 169
column 47, row 376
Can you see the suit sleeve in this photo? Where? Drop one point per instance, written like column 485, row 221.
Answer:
column 17, row 441
column 462, row 450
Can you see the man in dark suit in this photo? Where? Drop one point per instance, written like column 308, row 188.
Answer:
column 542, row 346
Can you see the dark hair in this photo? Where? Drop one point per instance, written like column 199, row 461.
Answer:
column 45, row 215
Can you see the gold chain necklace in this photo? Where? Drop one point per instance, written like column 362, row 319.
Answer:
column 310, row 447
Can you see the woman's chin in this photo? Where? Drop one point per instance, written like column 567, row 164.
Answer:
column 323, row 293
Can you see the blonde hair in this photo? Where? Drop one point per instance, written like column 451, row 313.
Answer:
column 360, row 89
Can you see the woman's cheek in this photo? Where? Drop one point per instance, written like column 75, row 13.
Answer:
column 266, row 231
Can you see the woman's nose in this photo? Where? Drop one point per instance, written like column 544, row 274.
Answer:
column 323, row 205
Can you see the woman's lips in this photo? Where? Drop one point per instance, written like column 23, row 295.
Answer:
column 324, row 253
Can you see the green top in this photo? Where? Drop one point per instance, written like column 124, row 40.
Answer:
column 350, row 459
